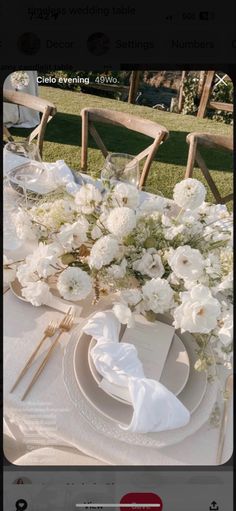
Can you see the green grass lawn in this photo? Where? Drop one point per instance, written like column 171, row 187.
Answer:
column 63, row 140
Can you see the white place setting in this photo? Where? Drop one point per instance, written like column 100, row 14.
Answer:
column 117, row 319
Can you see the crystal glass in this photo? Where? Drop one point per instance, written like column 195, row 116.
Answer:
column 120, row 167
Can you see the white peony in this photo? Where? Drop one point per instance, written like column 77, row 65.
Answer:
column 9, row 272
column 74, row 284
column 125, row 195
column 189, row 193
column 117, row 271
column 198, row 312
column 88, row 198
column 123, row 314
column 157, row 295
column 150, row 264
column 71, row 236
column 121, row 221
column 37, row 293
column 44, row 259
column 103, row 252
column 187, row 263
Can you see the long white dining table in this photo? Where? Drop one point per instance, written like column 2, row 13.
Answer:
column 48, row 417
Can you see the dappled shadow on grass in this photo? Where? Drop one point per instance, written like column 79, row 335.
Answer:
column 66, row 129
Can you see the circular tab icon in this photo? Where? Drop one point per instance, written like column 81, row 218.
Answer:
column 141, row 501
column 21, row 505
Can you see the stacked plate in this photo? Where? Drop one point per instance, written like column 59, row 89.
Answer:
column 106, row 406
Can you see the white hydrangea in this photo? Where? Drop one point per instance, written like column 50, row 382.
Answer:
column 125, row 195
column 121, row 221
column 189, row 193
column 74, row 284
column 198, row 312
column 103, row 252
column 71, row 236
column 187, row 263
column 123, row 314
column 9, row 271
column 157, row 295
column 37, row 293
column 150, row 264
column 88, row 198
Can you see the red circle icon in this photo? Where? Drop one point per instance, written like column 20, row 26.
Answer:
column 141, row 502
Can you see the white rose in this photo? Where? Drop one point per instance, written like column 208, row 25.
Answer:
column 123, row 314
column 74, row 284
column 189, row 193
column 157, row 295
column 37, row 293
column 125, row 195
column 187, row 263
column 198, row 312
column 150, row 264
column 103, row 252
column 88, row 198
column 121, row 221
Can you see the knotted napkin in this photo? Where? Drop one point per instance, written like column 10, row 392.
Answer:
column 155, row 408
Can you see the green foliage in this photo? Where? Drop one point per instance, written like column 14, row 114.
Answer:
column 190, row 94
column 224, row 94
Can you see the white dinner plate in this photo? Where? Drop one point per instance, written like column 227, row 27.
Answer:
column 121, row 412
column 174, row 375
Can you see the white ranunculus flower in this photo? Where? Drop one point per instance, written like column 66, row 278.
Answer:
column 125, row 195
column 25, row 229
column 150, row 264
column 187, row 263
column 74, row 284
column 189, row 193
column 104, row 250
column 198, row 312
column 44, row 259
column 117, row 271
column 121, row 221
column 88, row 198
column 37, row 293
column 71, row 236
column 157, row 295
column 9, row 271
column 123, row 314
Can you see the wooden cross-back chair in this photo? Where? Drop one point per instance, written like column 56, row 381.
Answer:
column 152, row 129
column 197, row 140
column 46, row 108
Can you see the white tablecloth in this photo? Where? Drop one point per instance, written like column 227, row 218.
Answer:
column 48, row 417
column 21, row 117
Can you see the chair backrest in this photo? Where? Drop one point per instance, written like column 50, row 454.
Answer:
column 146, row 127
column 46, row 108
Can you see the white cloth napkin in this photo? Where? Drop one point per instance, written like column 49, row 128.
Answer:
column 55, row 175
column 155, row 407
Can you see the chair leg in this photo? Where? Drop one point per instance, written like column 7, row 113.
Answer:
column 84, row 142
column 191, row 157
column 208, row 177
column 149, row 160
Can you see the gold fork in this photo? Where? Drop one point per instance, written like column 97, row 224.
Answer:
column 224, row 421
column 49, row 331
column 65, row 325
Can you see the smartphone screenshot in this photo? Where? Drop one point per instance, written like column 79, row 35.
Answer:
column 117, row 165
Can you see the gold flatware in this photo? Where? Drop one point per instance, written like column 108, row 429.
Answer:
column 49, row 331
column 65, row 325
column 224, row 421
